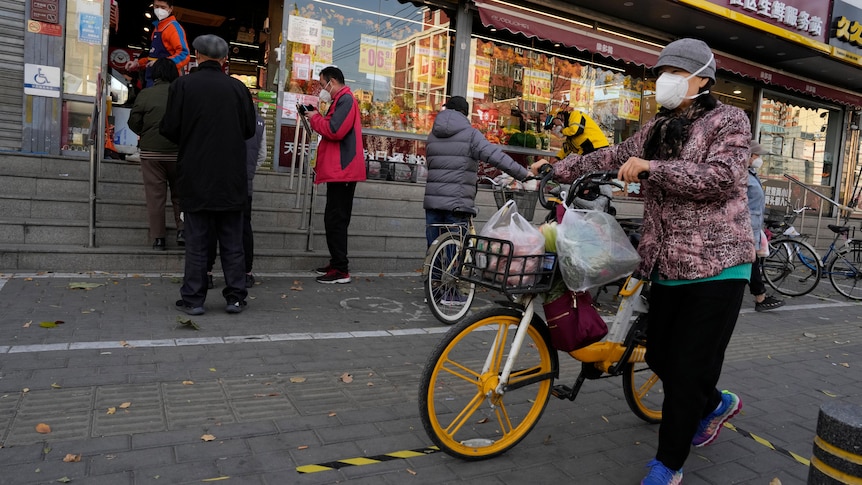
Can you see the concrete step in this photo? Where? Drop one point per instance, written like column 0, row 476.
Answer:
column 70, row 258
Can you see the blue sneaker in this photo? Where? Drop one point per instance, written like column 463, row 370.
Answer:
column 711, row 425
column 661, row 475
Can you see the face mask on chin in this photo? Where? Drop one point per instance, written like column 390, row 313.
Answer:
column 671, row 89
column 161, row 13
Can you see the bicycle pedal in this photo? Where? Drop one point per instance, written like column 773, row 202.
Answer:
column 561, row 391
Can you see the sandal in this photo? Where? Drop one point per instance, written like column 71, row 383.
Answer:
column 768, row 303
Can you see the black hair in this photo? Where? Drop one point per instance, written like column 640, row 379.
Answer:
column 331, row 72
column 169, row 2
column 670, row 131
column 164, row 69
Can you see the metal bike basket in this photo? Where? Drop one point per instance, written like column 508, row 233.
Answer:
column 524, row 199
column 491, row 263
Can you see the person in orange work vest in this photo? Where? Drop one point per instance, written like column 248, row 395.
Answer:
column 168, row 39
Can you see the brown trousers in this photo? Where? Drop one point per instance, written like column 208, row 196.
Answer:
column 159, row 171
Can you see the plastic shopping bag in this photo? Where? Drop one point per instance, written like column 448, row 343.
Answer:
column 526, row 240
column 593, row 250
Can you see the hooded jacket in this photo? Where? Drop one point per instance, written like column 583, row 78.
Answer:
column 452, row 153
column 340, row 153
column 696, row 219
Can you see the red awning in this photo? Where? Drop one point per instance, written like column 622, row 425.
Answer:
column 530, row 22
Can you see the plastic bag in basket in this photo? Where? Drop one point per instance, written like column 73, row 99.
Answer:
column 526, row 240
column 593, row 250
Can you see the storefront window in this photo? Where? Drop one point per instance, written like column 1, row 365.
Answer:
column 394, row 57
column 83, row 47
column 76, row 126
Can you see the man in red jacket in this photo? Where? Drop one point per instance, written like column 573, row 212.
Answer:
column 340, row 164
column 168, row 39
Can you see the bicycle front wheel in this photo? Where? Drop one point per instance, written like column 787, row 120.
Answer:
column 792, row 267
column 643, row 391
column 845, row 273
column 459, row 403
column 448, row 297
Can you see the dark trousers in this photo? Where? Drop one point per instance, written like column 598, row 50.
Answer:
column 437, row 216
column 201, row 229
column 756, row 285
column 336, row 220
column 158, row 175
column 689, row 329
column 247, row 242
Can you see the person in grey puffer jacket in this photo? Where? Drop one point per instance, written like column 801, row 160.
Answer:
column 452, row 152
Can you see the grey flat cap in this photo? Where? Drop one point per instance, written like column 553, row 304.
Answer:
column 211, row 46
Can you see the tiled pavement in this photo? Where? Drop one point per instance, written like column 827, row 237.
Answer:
column 268, row 386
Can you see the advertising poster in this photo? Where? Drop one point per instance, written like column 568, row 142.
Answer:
column 537, row 86
column 376, row 55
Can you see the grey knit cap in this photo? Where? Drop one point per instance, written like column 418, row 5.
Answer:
column 688, row 54
column 211, row 46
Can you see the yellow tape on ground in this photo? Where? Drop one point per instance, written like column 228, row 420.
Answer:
column 366, row 460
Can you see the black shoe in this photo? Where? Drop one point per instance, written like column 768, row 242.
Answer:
column 323, row 270
column 159, row 244
column 235, row 306
column 249, row 280
column 191, row 310
column 210, row 284
column 181, row 239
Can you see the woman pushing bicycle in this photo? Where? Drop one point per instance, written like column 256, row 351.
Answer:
column 696, row 245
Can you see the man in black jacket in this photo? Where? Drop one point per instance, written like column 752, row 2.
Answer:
column 210, row 115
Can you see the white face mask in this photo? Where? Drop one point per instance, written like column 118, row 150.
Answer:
column 670, row 89
column 161, row 13
column 325, row 96
column 756, row 163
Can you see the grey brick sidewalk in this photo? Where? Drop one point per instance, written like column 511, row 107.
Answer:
column 267, row 385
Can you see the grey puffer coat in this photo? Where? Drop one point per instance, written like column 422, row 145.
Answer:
column 452, row 153
column 696, row 220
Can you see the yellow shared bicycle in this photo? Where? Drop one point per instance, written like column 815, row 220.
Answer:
column 486, row 384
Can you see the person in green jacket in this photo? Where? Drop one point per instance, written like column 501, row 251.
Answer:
column 158, row 154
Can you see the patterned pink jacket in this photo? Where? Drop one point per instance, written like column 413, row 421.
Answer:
column 696, row 220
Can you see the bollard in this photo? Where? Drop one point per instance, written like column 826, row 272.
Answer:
column 837, row 458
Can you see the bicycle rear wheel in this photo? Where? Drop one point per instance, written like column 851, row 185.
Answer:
column 845, row 273
column 448, row 297
column 460, row 408
column 792, row 267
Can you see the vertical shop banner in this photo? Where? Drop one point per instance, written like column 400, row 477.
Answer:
column 480, row 77
column 537, row 86
column 376, row 55
column 630, row 105
column 89, row 22
column 303, row 30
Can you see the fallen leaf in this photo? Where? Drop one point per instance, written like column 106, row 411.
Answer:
column 332, row 414
column 809, row 335
column 70, row 458
column 212, row 369
column 380, row 275
column 482, row 421
column 147, row 284
column 80, row 285
column 125, row 405
column 187, row 322
column 297, row 380
column 845, row 364
column 48, row 324
column 346, row 378
column 188, row 383
column 64, row 479
column 43, row 428
column 27, row 325
column 547, row 440
column 216, row 479
column 370, row 384
column 56, row 386
column 775, row 481
column 208, row 437
column 828, row 393
column 125, row 344
column 25, row 390
column 409, row 470
column 303, row 447
column 111, row 411
column 28, row 279
column 606, row 419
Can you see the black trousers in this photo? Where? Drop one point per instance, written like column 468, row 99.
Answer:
column 247, row 242
column 336, row 220
column 203, row 229
column 756, row 285
column 689, row 329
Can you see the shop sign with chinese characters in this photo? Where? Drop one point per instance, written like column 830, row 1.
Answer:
column 800, row 16
column 847, row 20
